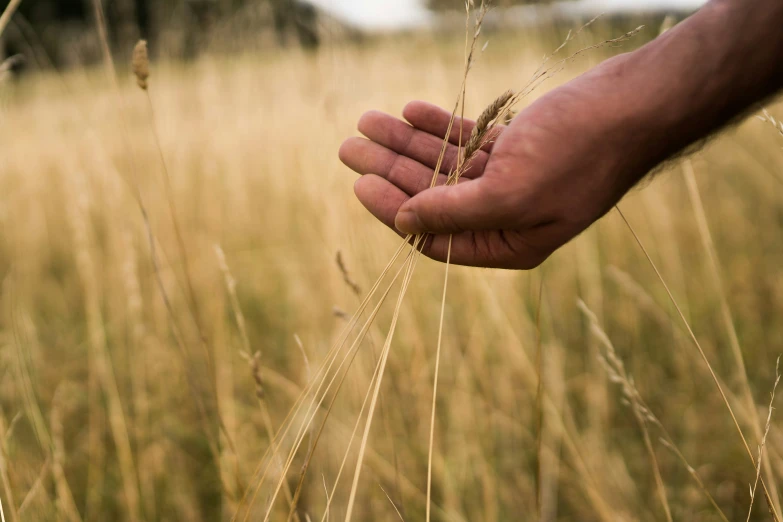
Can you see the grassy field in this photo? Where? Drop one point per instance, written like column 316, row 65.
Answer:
column 117, row 406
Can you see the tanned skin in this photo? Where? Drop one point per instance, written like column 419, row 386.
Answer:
column 568, row 158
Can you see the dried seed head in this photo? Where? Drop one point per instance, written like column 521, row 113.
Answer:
column 140, row 63
column 493, row 110
column 355, row 288
column 484, row 121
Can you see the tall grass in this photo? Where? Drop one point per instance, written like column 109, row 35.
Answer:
column 117, row 415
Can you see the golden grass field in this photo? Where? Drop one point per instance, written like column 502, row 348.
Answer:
column 109, row 404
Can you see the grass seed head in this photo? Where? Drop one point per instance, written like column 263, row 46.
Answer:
column 484, row 122
column 140, row 63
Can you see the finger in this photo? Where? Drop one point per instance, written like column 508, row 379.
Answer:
column 382, row 198
column 398, row 136
column 367, row 157
column 491, row 249
column 469, row 206
column 435, row 120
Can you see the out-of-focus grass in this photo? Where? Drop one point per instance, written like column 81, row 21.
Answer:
column 89, row 364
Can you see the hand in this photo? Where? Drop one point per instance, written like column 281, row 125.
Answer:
column 570, row 156
column 559, row 166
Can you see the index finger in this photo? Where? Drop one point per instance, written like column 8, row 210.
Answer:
column 435, row 120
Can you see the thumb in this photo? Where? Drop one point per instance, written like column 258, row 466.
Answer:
column 451, row 209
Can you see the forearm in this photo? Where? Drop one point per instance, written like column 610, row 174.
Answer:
column 658, row 100
column 711, row 68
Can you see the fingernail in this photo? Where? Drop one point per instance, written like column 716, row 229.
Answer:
column 408, row 222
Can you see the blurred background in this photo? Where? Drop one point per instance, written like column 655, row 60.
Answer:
column 59, row 31
column 176, row 263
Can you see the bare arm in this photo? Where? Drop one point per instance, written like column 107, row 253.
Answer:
column 571, row 155
column 697, row 77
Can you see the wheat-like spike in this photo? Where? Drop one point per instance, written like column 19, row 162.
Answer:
column 140, row 64
column 617, row 373
column 615, row 369
column 703, row 355
column 484, row 123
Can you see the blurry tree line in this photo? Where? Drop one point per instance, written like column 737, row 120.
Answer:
column 63, row 31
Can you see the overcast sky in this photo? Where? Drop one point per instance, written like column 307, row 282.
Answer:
column 386, row 14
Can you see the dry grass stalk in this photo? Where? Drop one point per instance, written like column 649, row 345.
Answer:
column 409, row 269
column 347, row 358
column 475, row 144
column 435, row 381
column 355, row 288
column 763, row 443
column 4, row 436
column 213, row 441
column 140, row 68
column 617, row 374
column 64, row 496
column 377, row 376
column 704, row 357
column 668, row 444
column 539, row 400
column 392, row 503
column 253, row 358
column 37, row 486
column 668, row 23
column 305, row 359
column 2, row 511
column 100, row 362
column 615, row 369
column 24, row 340
column 641, row 297
column 8, row 12
column 315, row 388
column 330, row 496
column 768, row 118
column 139, row 341
column 727, row 316
column 470, row 51
column 140, row 64
column 8, row 64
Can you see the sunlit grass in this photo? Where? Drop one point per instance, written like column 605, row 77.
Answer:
column 250, row 145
